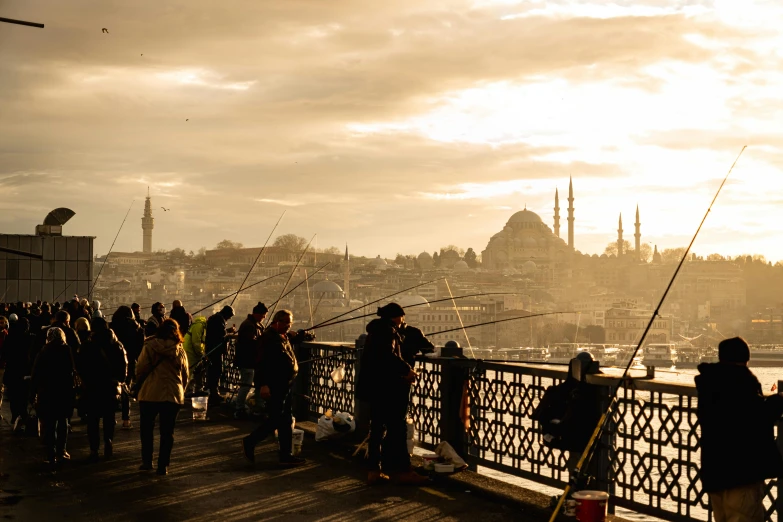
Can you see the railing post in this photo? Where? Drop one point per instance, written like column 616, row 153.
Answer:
column 779, row 442
column 300, row 400
column 453, row 378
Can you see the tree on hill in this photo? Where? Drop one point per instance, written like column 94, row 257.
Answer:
column 455, row 248
column 290, row 242
column 672, row 255
column 227, row 243
column 629, row 250
column 471, row 258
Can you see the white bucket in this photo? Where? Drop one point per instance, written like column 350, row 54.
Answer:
column 199, row 408
column 296, row 441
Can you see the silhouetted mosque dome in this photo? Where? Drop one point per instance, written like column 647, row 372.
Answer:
column 461, row 266
column 525, row 216
column 327, row 287
column 379, row 261
column 409, row 300
column 529, row 266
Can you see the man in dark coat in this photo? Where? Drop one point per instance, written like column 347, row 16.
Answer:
column 103, row 366
column 274, row 376
column 62, row 320
column 183, row 318
column 248, row 353
column 156, row 319
column 216, row 346
column 738, row 448
column 136, row 309
column 414, row 342
column 384, row 381
column 16, row 357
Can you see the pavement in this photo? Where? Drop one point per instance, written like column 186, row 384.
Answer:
column 210, row 480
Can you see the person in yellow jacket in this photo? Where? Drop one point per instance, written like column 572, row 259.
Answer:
column 194, row 349
column 163, row 368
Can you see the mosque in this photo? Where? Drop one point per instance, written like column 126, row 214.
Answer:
column 526, row 244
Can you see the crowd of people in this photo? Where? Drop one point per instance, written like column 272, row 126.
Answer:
column 61, row 362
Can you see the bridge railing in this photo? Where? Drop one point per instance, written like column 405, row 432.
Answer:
column 648, row 460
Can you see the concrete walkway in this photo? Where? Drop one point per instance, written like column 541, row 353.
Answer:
column 209, row 480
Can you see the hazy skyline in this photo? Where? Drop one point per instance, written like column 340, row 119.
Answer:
column 394, row 128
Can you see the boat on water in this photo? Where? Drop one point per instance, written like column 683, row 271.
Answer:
column 766, row 355
column 661, row 355
column 688, row 356
column 562, row 352
column 523, row 354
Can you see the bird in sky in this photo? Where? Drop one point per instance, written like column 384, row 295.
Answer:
column 165, row 209
column 104, row 30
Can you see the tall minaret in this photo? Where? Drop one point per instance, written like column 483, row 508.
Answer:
column 570, row 213
column 557, row 214
column 620, row 237
column 638, row 235
column 346, row 276
column 147, row 224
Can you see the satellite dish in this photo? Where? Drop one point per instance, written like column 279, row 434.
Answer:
column 59, row 216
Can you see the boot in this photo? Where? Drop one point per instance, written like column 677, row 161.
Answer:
column 410, row 478
column 376, row 477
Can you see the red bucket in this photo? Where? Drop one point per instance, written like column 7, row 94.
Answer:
column 591, row 506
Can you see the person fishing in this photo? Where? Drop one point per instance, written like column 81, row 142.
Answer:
column 216, row 344
column 738, row 450
column 274, row 375
column 384, row 381
column 248, row 351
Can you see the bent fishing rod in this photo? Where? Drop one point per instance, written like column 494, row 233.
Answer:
column 465, row 327
column 303, row 281
column 260, row 253
column 606, row 415
column 274, row 306
column 377, row 301
column 324, row 325
column 106, row 259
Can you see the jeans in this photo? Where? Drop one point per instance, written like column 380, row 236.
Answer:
column 246, row 383
column 148, row 411
column 389, row 452
column 93, row 427
column 55, row 435
column 278, row 408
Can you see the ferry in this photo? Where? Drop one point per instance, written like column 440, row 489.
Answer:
column 662, row 355
column 562, row 352
column 766, row 355
column 688, row 356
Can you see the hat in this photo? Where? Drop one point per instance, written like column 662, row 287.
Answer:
column 734, row 350
column 227, row 310
column 390, row 310
column 260, row 309
column 12, row 318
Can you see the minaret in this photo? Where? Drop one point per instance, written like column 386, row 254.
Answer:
column 620, row 237
column 147, row 224
column 638, row 236
column 570, row 213
column 346, row 276
column 557, row 214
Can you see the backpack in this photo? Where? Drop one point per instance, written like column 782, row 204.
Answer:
column 567, row 414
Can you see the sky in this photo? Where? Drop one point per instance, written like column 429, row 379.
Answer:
column 394, row 127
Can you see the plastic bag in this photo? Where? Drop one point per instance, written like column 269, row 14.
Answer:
column 450, row 455
column 333, row 427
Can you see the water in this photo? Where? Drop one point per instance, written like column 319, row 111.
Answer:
column 767, row 376
column 199, row 408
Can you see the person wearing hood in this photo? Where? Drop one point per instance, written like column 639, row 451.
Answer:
column 82, row 327
column 96, row 309
column 102, row 366
column 194, row 349
column 274, row 376
column 53, row 392
column 248, row 352
column 738, row 450
column 216, row 344
column 183, row 318
column 384, row 382
column 156, row 319
column 15, row 355
column 131, row 335
column 163, row 368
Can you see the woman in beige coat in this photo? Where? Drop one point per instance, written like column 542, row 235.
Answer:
column 164, row 367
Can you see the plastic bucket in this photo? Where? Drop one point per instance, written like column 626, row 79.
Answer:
column 199, row 408
column 296, row 441
column 591, row 506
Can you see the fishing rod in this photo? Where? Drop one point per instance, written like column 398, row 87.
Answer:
column 64, row 290
column 377, row 301
column 414, row 306
column 494, row 322
column 260, row 253
column 238, row 291
column 4, row 293
column 606, row 415
column 317, row 304
column 106, row 259
column 459, row 317
column 303, row 281
column 309, row 301
column 464, row 327
column 274, row 306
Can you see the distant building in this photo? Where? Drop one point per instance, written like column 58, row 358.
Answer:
column 626, row 325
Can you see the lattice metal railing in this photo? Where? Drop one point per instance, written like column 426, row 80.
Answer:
column 426, row 403
column 323, row 392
